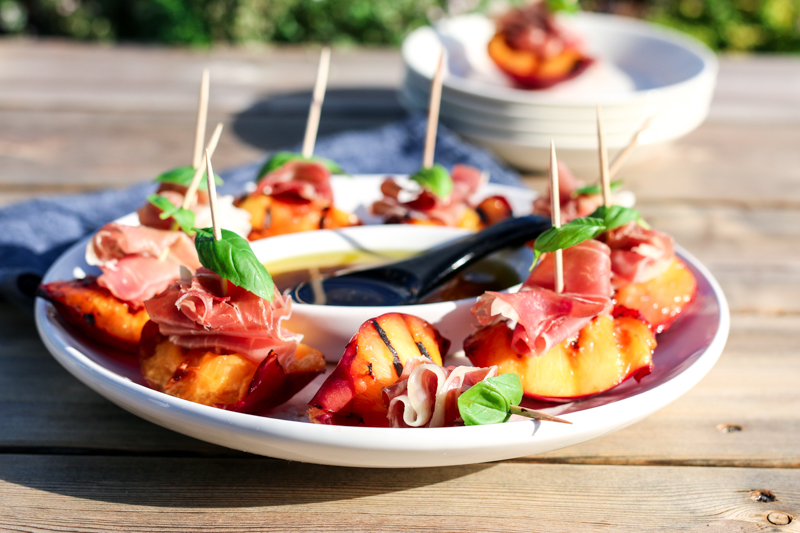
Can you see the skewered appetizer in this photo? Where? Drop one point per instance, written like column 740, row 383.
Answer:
column 439, row 198
column 534, row 49
column 567, row 345
column 374, row 358
column 216, row 338
column 294, row 196
column 136, row 263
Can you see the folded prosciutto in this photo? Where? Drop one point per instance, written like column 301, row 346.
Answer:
column 426, row 394
column 638, row 254
column 572, row 205
column 194, row 313
column 542, row 318
column 297, row 181
column 139, row 262
column 234, row 219
column 418, row 204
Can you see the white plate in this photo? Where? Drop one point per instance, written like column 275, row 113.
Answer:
column 684, row 355
column 641, row 70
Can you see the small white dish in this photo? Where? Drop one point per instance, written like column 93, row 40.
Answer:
column 641, row 70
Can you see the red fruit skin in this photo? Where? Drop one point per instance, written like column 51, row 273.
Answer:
column 336, row 394
column 272, row 386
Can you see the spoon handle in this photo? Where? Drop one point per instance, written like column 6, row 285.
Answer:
column 437, row 266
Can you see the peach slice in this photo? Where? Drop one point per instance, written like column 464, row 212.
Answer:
column 662, row 299
column 372, row 360
column 271, row 217
column 96, row 312
column 532, row 72
column 606, row 352
column 225, row 380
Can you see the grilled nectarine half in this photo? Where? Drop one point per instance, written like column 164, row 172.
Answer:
column 96, row 312
column 606, row 352
column 225, row 380
column 372, row 360
column 663, row 298
column 270, row 217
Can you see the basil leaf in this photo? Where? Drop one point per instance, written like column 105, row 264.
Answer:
column 573, row 232
column 183, row 176
column 490, row 401
column 184, row 217
column 615, row 216
column 597, row 189
column 233, row 259
column 567, row 6
column 436, row 179
column 281, row 158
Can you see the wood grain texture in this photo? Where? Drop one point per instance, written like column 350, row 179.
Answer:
column 49, row 493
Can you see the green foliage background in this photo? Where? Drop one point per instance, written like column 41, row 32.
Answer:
column 756, row 25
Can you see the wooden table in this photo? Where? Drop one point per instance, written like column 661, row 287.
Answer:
column 724, row 457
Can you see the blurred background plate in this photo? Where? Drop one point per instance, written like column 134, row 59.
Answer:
column 641, row 70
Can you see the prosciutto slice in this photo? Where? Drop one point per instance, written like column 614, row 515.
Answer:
column 297, row 181
column 424, row 205
column 194, row 313
column 233, row 219
column 132, row 263
column 426, row 395
column 542, row 318
column 579, row 206
column 638, row 254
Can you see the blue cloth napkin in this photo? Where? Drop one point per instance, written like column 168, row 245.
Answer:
column 36, row 232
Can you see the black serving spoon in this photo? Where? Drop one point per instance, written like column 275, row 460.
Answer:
column 407, row 282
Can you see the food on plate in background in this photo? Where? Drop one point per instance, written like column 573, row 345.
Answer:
column 295, row 196
column 216, row 338
column 534, row 48
column 435, row 197
column 136, row 263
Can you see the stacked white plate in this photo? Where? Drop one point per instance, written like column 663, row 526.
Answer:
column 640, row 70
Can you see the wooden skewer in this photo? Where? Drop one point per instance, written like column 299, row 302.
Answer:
column 433, row 114
column 312, row 125
column 623, row 155
column 212, row 199
column 202, row 115
column 555, row 209
column 215, row 222
column 605, row 182
column 536, row 415
column 188, row 198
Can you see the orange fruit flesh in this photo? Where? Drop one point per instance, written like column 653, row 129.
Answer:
column 270, row 217
column 663, row 298
column 606, row 352
column 95, row 308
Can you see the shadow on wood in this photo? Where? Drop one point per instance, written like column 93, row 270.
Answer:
column 214, row 483
column 279, row 121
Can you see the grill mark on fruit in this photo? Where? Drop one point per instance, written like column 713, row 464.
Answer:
column 398, row 366
column 323, row 216
column 267, row 218
column 369, row 369
column 89, row 319
column 423, row 351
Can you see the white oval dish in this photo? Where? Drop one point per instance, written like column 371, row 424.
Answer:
column 684, row 355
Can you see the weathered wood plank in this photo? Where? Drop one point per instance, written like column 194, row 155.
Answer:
column 43, row 408
column 51, row 493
